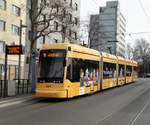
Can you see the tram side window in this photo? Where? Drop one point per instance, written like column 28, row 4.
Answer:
column 128, row 70
column 121, row 70
column 109, row 70
column 78, row 68
column 73, row 70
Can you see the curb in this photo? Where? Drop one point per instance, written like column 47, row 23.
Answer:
column 14, row 101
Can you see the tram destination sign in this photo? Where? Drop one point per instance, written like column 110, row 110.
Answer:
column 14, row 50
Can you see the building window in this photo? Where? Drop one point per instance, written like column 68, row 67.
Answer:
column 76, row 20
column 101, row 10
column 76, row 6
column 56, row 25
column 15, row 29
column 70, row 17
column 57, row 9
column 2, row 46
column 15, row 10
column 44, row 19
column 2, row 25
column 70, row 3
column 64, row 12
column 3, row 4
column 29, row 35
column 70, row 32
column 75, row 35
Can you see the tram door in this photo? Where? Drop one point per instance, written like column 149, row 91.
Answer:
column 92, row 87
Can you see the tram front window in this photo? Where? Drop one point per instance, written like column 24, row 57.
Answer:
column 51, row 66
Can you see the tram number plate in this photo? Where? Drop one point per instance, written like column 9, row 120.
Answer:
column 81, row 91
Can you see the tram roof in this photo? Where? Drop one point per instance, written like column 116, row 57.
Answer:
column 73, row 47
column 129, row 62
column 107, row 55
column 121, row 58
column 134, row 63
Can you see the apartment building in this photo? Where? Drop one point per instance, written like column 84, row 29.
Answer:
column 109, row 34
column 11, row 14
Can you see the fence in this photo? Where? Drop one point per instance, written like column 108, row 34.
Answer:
column 1, row 88
column 22, row 86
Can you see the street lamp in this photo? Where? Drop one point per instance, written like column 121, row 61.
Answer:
column 20, row 43
column 109, row 48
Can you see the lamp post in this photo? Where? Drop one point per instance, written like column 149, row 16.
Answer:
column 110, row 48
column 20, row 43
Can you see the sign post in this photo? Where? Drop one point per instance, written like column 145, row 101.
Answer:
column 10, row 50
column 5, row 75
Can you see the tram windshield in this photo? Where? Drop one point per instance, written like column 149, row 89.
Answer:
column 51, row 66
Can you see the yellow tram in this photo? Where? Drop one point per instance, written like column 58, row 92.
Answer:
column 134, row 71
column 121, row 63
column 128, row 70
column 68, row 70
column 109, row 67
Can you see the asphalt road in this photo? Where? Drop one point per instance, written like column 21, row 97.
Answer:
column 127, row 105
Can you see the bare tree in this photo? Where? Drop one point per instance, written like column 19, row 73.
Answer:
column 141, row 53
column 45, row 17
column 129, row 51
column 141, row 50
column 92, row 32
column 43, row 14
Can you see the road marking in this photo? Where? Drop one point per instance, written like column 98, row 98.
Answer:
column 12, row 103
column 138, row 115
column 105, row 118
column 113, row 112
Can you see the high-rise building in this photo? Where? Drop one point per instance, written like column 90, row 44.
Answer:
column 108, row 29
column 11, row 14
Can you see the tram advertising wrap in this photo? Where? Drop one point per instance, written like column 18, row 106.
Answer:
column 68, row 70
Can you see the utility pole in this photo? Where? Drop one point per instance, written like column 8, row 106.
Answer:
column 5, row 75
column 20, row 44
column 19, row 61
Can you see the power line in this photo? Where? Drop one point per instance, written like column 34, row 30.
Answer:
column 144, row 11
column 96, row 3
column 138, row 33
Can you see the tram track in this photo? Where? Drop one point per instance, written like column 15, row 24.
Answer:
column 126, row 109
column 124, row 104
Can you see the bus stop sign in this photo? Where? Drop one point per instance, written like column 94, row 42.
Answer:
column 14, row 50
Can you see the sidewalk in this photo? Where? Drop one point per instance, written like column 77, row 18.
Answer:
column 8, row 101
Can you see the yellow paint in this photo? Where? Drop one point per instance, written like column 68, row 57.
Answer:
column 121, row 81
column 128, row 79
column 109, row 83
column 67, row 89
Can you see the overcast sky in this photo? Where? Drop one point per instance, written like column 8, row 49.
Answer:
column 136, row 12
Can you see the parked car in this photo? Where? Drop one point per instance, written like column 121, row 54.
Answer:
column 148, row 75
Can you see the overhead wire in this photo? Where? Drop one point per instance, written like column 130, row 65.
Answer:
column 144, row 11
column 95, row 2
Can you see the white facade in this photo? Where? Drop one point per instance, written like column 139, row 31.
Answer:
column 53, row 37
column 11, row 13
column 111, row 34
column 56, row 37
